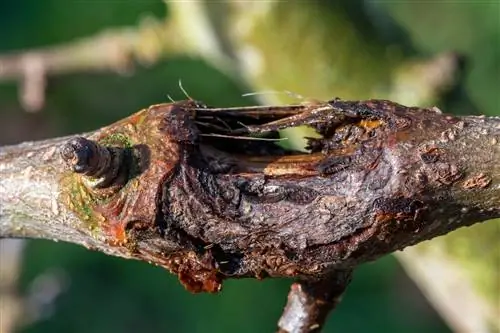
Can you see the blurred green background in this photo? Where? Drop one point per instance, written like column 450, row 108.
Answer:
column 94, row 293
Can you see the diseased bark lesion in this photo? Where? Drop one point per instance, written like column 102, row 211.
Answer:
column 210, row 194
column 378, row 180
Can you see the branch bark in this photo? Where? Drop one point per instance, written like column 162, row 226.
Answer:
column 309, row 303
column 207, row 194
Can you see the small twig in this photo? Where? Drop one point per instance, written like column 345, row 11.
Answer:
column 33, row 83
column 309, row 303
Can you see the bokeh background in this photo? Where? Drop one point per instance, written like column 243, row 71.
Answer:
column 318, row 49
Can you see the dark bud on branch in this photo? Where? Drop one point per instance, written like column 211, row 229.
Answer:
column 101, row 165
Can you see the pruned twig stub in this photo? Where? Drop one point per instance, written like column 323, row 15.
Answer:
column 309, row 302
column 209, row 207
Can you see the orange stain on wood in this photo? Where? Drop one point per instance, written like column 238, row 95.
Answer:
column 370, row 124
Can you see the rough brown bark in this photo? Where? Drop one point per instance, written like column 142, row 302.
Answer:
column 207, row 194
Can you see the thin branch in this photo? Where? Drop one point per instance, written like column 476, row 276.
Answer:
column 115, row 50
column 310, row 302
column 187, row 31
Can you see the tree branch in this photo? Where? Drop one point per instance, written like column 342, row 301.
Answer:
column 30, row 204
column 206, row 192
column 309, row 303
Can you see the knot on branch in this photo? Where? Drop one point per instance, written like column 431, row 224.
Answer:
column 99, row 164
column 117, row 173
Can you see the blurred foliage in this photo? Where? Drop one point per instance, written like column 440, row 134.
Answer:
column 470, row 28
column 107, row 294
